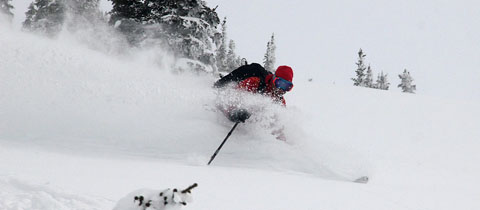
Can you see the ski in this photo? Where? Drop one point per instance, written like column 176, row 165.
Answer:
column 363, row 180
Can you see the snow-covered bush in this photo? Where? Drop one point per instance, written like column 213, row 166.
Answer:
column 406, row 83
column 145, row 199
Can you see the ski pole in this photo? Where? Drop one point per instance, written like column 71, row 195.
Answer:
column 221, row 145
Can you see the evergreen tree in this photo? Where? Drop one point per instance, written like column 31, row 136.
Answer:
column 406, row 82
column 369, row 78
column 360, row 79
column 128, row 9
column 382, row 82
column 30, row 14
column 49, row 16
column 90, row 25
column 84, row 9
column 45, row 16
column 80, row 7
column 221, row 52
column 233, row 61
column 187, row 27
column 269, row 58
column 127, row 16
column 6, row 8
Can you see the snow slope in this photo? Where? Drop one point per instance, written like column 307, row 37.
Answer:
column 80, row 129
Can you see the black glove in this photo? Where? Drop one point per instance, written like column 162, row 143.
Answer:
column 240, row 115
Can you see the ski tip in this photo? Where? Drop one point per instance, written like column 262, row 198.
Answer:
column 363, row 180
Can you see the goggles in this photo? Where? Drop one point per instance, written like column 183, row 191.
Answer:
column 283, row 84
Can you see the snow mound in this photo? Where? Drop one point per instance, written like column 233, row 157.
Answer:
column 19, row 195
column 156, row 200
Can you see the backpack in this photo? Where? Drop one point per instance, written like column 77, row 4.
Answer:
column 244, row 72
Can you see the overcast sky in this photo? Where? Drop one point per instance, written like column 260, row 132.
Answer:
column 437, row 41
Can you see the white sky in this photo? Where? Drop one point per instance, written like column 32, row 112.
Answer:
column 438, row 41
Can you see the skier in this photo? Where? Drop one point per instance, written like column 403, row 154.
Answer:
column 255, row 79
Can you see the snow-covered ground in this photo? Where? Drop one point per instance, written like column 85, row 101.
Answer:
column 80, row 129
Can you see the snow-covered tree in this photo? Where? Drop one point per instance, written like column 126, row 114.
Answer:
column 6, row 8
column 382, row 82
column 233, row 61
column 49, row 16
column 360, row 79
column 45, row 16
column 369, row 78
column 269, row 58
column 30, row 14
column 187, row 28
column 406, row 82
column 221, row 52
column 135, row 10
column 81, row 7
column 84, row 10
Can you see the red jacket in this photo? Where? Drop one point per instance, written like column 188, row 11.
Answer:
column 251, row 84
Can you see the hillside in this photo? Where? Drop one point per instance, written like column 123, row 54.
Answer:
column 81, row 128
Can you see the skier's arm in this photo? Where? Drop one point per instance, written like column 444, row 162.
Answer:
column 233, row 76
column 222, row 82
